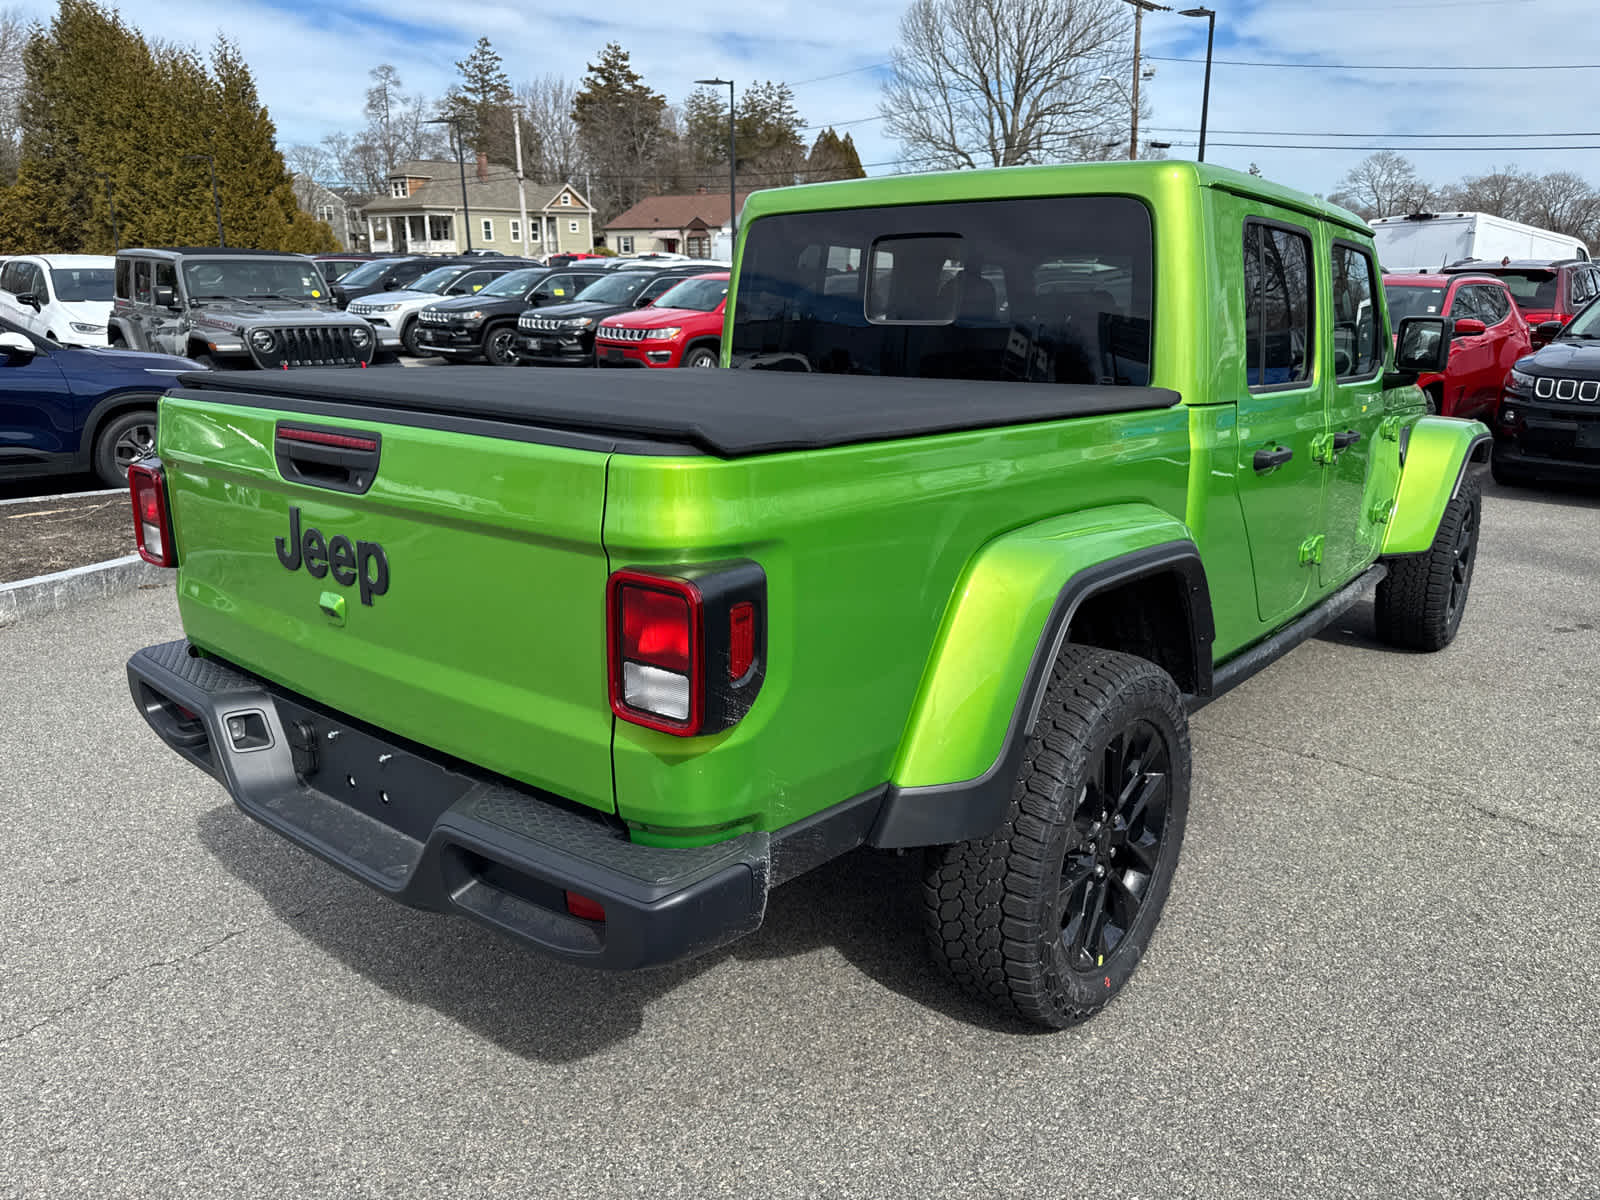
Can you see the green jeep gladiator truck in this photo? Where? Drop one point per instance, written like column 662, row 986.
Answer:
column 1022, row 467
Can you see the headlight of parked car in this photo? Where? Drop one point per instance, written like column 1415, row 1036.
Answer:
column 360, row 335
column 577, row 322
column 476, row 314
column 381, row 307
column 263, row 340
column 84, row 327
column 663, row 335
column 1520, row 380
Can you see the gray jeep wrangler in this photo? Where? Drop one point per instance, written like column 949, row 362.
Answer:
column 234, row 308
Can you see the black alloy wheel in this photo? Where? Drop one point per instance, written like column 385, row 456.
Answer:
column 497, row 345
column 408, row 338
column 1121, row 820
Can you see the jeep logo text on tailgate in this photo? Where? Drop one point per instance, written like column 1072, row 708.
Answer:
column 364, row 563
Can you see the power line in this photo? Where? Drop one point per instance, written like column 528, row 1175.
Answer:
column 1316, row 66
column 1401, row 149
column 1381, row 134
column 840, row 74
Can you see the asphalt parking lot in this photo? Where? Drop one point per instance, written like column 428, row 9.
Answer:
column 1377, row 974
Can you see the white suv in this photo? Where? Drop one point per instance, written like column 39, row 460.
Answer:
column 63, row 297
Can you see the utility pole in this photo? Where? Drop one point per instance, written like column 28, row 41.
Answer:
column 466, row 213
column 1140, row 7
column 522, row 187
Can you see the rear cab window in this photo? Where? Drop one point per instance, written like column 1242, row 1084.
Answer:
column 1047, row 289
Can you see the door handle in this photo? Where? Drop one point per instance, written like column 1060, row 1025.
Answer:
column 1343, row 441
column 1267, row 460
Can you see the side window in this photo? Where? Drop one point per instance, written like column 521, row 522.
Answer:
column 660, row 287
column 141, row 283
column 124, row 279
column 1277, row 278
column 167, row 277
column 33, row 282
column 8, row 278
column 1497, row 302
column 1464, row 303
column 1356, row 336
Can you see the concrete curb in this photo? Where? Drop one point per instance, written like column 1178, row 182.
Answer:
column 64, row 496
column 63, row 589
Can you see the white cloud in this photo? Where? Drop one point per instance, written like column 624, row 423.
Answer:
column 311, row 60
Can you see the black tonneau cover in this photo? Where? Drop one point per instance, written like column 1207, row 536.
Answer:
column 731, row 414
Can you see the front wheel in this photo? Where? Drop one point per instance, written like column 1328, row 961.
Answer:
column 124, row 441
column 700, row 357
column 408, row 339
column 1419, row 605
column 497, row 345
column 1047, row 919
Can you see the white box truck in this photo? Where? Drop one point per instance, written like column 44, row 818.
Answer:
column 1428, row 241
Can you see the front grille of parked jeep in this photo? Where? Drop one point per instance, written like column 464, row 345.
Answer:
column 539, row 325
column 1547, row 387
column 315, row 346
column 612, row 333
column 428, row 317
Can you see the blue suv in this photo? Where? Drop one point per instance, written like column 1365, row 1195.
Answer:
column 65, row 410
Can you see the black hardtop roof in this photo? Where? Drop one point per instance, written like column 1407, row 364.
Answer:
column 728, row 413
column 211, row 251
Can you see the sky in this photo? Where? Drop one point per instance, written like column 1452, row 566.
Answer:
column 311, row 60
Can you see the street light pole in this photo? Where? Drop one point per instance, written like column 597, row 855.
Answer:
column 216, row 203
column 733, row 203
column 1205, row 96
column 466, row 212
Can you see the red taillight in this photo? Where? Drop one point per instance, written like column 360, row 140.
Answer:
column 654, row 641
column 581, row 906
column 741, row 639
column 152, row 523
column 686, row 650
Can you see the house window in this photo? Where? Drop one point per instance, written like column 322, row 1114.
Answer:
column 533, row 232
column 325, row 213
column 516, row 230
column 572, row 227
column 439, row 229
column 380, row 230
column 415, row 230
column 566, row 199
column 488, row 230
column 397, row 189
column 698, row 247
column 625, row 245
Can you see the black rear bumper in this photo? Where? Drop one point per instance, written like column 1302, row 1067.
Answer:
column 431, row 834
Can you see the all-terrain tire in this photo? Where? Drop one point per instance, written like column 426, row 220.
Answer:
column 121, row 442
column 1047, row 919
column 1419, row 605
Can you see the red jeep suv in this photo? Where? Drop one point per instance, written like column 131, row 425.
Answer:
column 1489, row 335
column 1547, row 291
column 681, row 329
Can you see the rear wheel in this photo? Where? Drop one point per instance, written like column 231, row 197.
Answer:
column 1048, row 918
column 700, row 357
column 123, row 441
column 1419, row 605
column 497, row 345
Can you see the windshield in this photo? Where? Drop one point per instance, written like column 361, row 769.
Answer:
column 82, row 283
column 1585, row 326
column 439, row 278
column 696, row 295
column 1047, row 290
column 368, row 272
column 1530, row 289
column 615, row 289
column 238, row 278
column 337, row 268
column 514, row 284
column 1413, row 302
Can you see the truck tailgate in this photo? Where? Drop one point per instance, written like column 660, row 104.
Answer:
column 457, row 601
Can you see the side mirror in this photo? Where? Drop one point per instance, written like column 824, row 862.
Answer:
column 645, row 303
column 30, row 300
column 390, row 285
column 166, row 297
column 1469, row 327
column 17, row 348
column 1420, row 348
column 1547, row 329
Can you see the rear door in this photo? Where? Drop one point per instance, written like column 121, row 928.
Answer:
column 1281, row 410
column 1361, row 467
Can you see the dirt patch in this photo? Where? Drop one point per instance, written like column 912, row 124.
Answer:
column 42, row 536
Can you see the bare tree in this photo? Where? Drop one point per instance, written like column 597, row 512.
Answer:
column 1503, row 193
column 14, row 34
column 1565, row 203
column 1005, row 82
column 1384, row 184
column 546, row 103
